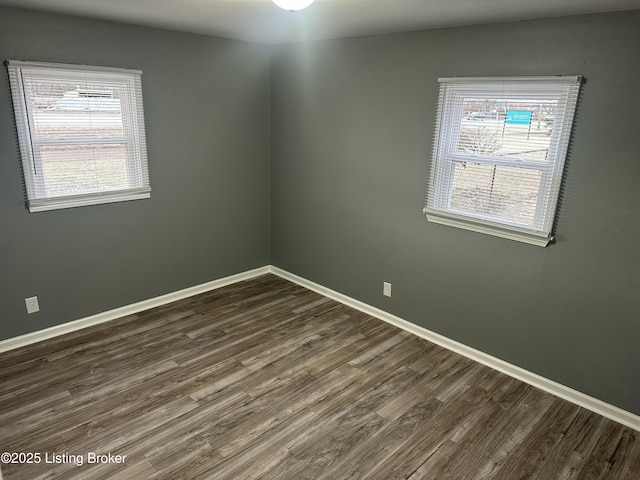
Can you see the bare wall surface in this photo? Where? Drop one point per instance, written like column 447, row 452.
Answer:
column 207, row 121
column 351, row 138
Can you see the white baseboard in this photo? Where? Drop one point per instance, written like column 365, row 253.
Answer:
column 590, row 403
column 47, row 333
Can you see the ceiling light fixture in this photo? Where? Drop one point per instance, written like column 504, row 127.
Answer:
column 293, row 5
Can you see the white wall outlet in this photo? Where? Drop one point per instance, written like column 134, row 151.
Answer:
column 32, row 304
column 386, row 289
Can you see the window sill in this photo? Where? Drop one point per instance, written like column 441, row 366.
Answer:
column 488, row 228
column 80, row 201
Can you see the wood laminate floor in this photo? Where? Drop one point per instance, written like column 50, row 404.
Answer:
column 266, row 380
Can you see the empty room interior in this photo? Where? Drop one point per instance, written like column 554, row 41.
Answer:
column 361, row 240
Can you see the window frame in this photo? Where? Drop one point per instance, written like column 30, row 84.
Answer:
column 445, row 155
column 133, row 136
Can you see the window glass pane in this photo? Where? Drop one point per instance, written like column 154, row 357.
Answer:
column 506, row 193
column 81, row 169
column 66, row 110
column 517, row 128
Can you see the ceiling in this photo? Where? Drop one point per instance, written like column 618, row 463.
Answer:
column 262, row 21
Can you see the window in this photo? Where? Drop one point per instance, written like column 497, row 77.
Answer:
column 81, row 134
column 499, row 153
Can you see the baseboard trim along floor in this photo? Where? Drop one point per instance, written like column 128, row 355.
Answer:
column 51, row 332
column 590, row 403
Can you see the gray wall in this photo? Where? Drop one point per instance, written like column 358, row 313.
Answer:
column 207, row 121
column 351, row 137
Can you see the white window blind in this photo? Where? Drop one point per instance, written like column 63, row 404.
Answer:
column 499, row 152
column 81, row 134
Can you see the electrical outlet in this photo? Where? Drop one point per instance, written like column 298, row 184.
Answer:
column 386, row 289
column 32, row 304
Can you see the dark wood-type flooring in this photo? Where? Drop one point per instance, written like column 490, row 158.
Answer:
column 267, row 380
